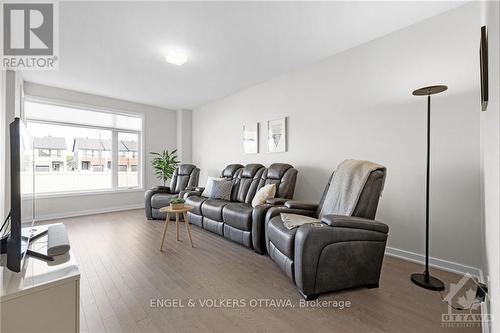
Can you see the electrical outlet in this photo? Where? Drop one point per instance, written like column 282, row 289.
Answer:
column 481, row 292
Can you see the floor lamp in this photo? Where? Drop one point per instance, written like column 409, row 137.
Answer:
column 425, row 280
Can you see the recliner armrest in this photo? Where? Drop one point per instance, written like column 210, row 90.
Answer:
column 274, row 211
column 344, row 221
column 195, row 189
column 276, row 201
column 189, row 191
column 301, row 205
column 187, row 194
column 277, row 210
column 147, row 198
column 161, row 189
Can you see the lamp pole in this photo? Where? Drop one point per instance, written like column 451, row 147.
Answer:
column 425, row 280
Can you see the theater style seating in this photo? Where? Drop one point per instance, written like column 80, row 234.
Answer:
column 185, row 177
column 237, row 220
column 195, row 198
column 337, row 252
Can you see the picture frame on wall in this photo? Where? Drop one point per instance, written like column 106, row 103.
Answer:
column 483, row 58
column 277, row 135
column 251, row 138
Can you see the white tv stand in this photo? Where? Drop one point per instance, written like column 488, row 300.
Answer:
column 43, row 297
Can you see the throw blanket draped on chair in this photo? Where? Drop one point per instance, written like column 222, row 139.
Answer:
column 293, row 220
column 346, row 186
column 347, row 183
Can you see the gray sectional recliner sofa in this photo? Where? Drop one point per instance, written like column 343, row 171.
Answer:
column 236, row 219
column 338, row 252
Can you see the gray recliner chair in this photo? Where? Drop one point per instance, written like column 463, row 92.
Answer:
column 338, row 252
column 185, row 178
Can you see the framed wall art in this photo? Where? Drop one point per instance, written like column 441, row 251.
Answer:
column 251, row 138
column 277, row 135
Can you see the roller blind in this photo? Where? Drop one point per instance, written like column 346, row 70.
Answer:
column 74, row 115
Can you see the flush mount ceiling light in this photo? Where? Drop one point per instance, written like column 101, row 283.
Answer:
column 176, row 58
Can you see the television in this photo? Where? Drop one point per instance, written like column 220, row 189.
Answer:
column 22, row 182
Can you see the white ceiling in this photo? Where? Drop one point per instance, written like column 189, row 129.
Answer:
column 117, row 49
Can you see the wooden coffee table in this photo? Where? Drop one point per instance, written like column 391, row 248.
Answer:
column 178, row 211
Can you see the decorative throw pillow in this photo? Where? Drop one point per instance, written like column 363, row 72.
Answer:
column 221, row 189
column 208, row 188
column 266, row 192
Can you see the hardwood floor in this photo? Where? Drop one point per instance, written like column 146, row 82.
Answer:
column 122, row 271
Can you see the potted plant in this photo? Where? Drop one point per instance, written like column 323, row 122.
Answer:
column 164, row 165
column 177, row 203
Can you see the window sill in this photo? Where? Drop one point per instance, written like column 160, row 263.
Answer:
column 87, row 193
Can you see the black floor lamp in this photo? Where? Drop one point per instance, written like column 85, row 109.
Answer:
column 425, row 280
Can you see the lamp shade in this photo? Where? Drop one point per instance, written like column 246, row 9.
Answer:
column 430, row 90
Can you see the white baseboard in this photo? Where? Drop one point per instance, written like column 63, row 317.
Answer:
column 62, row 215
column 445, row 265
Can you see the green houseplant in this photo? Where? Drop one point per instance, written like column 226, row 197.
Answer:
column 164, row 164
column 177, row 203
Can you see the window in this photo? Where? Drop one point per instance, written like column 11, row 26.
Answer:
column 44, row 152
column 86, row 147
column 128, row 145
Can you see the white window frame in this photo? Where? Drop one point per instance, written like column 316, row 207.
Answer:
column 114, row 154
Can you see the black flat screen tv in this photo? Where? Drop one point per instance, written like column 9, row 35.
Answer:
column 22, row 214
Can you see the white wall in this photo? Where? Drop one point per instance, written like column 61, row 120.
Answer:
column 160, row 134
column 358, row 104
column 184, row 135
column 490, row 151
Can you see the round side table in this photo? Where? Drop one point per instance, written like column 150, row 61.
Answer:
column 178, row 211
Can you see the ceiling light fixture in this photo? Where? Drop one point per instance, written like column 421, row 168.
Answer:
column 176, row 58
